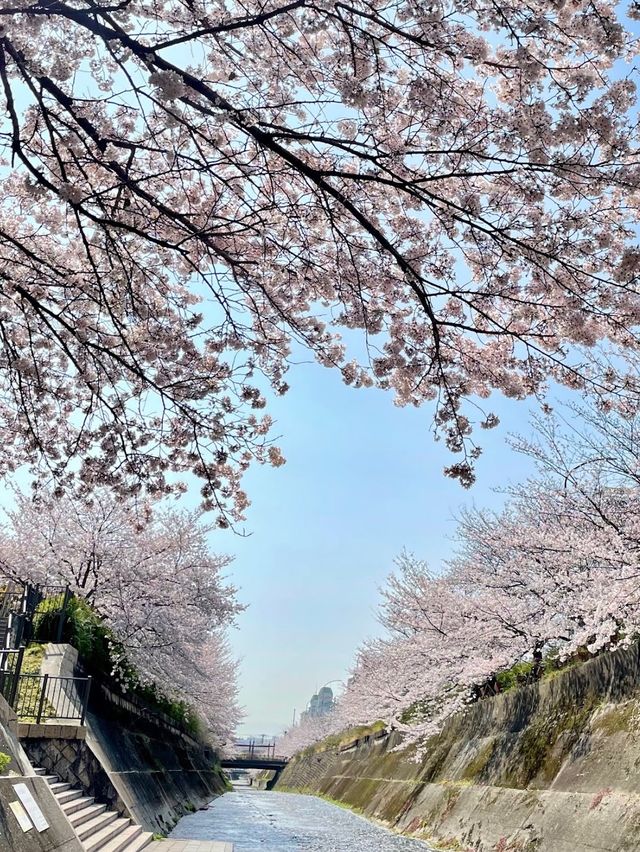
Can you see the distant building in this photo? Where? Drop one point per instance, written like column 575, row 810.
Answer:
column 321, row 703
column 325, row 700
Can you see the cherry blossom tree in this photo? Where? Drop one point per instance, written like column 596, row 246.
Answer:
column 551, row 576
column 442, row 641
column 191, row 191
column 307, row 731
column 152, row 579
column 554, row 573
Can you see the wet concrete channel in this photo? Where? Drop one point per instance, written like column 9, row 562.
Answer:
column 258, row 821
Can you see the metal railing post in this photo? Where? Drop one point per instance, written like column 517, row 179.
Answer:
column 31, row 601
column 63, row 614
column 19, row 630
column 45, row 681
column 85, row 700
column 16, row 678
column 24, row 632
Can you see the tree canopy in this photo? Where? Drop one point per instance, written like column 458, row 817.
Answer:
column 190, row 189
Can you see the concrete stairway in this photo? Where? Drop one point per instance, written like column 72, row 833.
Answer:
column 98, row 829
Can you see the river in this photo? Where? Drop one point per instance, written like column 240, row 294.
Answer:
column 257, row 821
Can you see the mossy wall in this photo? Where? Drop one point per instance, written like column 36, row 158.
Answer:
column 512, row 773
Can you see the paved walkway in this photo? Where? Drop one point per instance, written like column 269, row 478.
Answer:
column 189, row 846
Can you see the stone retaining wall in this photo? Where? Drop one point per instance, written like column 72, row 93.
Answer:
column 552, row 767
column 158, row 777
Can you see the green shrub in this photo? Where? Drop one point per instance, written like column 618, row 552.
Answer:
column 178, row 711
column 29, row 688
column 5, row 760
column 517, row 674
column 101, row 652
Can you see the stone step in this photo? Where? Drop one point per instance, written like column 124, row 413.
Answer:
column 122, row 842
column 97, row 840
column 141, row 842
column 77, row 805
column 96, row 824
column 98, row 829
column 59, row 786
column 79, row 817
column 68, row 796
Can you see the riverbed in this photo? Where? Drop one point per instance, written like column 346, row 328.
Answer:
column 258, row 821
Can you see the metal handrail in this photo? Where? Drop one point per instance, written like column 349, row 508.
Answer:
column 47, row 697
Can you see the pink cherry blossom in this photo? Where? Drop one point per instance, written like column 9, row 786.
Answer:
column 555, row 573
column 190, row 190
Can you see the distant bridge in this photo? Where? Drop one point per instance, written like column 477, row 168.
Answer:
column 255, row 762
column 251, row 754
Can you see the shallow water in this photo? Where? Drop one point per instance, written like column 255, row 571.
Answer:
column 257, row 821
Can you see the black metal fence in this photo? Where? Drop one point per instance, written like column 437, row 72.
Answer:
column 252, row 748
column 10, row 670
column 37, row 613
column 41, row 698
column 49, row 611
column 12, row 608
column 33, row 613
column 11, row 601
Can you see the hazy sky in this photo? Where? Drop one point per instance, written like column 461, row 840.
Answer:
column 363, row 479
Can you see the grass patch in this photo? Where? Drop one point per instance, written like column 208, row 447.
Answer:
column 5, row 760
column 622, row 718
column 32, row 659
column 518, row 674
column 29, row 689
column 552, row 671
column 522, row 673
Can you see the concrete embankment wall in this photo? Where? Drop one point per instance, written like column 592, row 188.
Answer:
column 159, row 777
column 551, row 767
column 137, row 763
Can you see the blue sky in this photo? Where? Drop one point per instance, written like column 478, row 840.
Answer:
column 363, row 479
